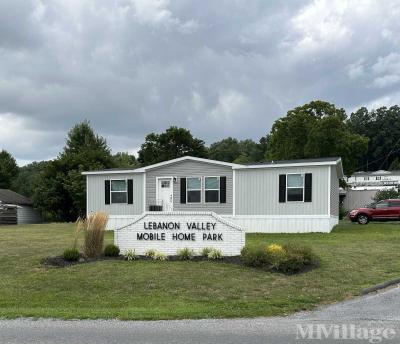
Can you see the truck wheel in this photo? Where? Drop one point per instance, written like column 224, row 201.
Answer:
column 362, row 219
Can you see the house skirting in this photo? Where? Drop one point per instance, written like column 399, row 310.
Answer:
column 284, row 223
column 257, row 223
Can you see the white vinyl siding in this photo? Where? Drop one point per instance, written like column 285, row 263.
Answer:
column 257, row 192
column 96, row 197
column 184, row 169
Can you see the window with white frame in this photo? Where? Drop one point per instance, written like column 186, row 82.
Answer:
column 211, row 189
column 378, row 178
column 295, row 187
column 193, row 189
column 118, row 191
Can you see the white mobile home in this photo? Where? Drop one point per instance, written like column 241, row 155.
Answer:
column 281, row 196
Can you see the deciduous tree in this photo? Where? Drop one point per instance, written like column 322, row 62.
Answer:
column 173, row 143
column 8, row 169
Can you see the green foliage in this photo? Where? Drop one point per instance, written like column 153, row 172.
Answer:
column 214, row 254
column 124, row 159
column 205, row 251
column 61, row 189
column 386, row 194
column 240, row 152
column 317, row 129
column 395, row 165
column 255, row 256
column 292, row 259
column 71, row 255
column 27, row 179
column 150, row 253
column 8, row 169
column 173, row 143
column 185, row 253
column 342, row 212
column 297, row 258
column 130, row 255
column 382, row 128
column 111, row 250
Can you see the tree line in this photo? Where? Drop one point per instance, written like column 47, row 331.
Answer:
column 366, row 140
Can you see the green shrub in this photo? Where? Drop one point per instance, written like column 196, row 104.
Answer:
column 150, row 253
column 291, row 258
column 160, row 256
column 111, row 250
column 205, row 251
column 185, row 253
column 214, row 254
column 342, row 212
column 255, row 256
column 130, row 255
column 297, row 258
column 71, row 255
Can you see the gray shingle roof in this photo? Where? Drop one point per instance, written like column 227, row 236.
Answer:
column 11, row 197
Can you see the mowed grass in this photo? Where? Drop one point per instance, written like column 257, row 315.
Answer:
column 353, row 257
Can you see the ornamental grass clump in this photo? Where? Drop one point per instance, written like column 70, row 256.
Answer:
column 205, row 252
column 130, row 255
column 185, row 254
column 214, row 254
column 94, row 227
column 160, row 256
column 150, row 253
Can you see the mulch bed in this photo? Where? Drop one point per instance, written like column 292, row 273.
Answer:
column 60, row 262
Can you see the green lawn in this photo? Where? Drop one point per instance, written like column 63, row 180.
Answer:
column 353, row 257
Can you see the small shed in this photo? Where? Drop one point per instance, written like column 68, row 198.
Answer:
column 16, row 209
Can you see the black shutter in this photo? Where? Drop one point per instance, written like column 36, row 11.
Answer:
column 282, row 188
column 307, row 187
column 222, row 189
column 183, row 190
column 107, row 192
column 130, row 191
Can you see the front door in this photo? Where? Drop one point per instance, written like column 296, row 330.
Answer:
column 165, row 193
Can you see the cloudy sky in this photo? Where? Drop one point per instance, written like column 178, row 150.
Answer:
column 219, row 68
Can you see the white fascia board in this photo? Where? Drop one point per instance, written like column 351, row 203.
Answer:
column 293, row 164
column 192, row 158
column 110, row 172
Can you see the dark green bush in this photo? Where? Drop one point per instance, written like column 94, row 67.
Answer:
column 111, row 250
column 71, row 255
column 255, row 256
column 342, row 212
column 297, row 258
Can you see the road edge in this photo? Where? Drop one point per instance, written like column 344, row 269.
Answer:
column 380, row 286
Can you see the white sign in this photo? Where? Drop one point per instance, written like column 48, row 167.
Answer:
column 169, row 232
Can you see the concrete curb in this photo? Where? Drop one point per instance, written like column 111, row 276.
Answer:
column 380, row 286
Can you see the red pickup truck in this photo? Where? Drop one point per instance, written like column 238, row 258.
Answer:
column 388, row 209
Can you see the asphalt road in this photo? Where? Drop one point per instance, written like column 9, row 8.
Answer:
column 369, row 319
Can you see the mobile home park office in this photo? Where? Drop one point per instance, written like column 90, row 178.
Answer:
column 281, row 196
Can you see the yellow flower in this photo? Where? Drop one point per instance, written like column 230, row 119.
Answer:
column 275, row 249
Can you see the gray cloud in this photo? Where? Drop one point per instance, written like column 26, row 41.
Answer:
column 219, row 68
